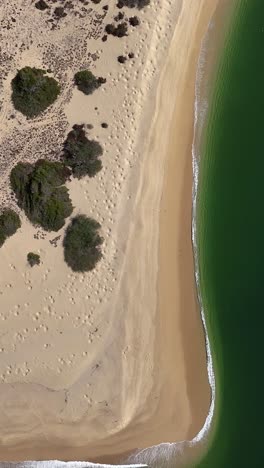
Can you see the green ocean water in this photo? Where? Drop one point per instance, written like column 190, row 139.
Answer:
column 230, row 227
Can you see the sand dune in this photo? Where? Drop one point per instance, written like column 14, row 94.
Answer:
column 101, row 363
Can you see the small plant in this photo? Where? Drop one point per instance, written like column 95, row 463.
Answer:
column 119, row 16
column 82, row 244
column 40, row 192
column 41, row 5
column 87, row 82
column 9, row 224
column 134, row 21
column 133, row 3
column 33, row 259
column 81, row 154
column 59, row 12
column 33, row 92
column 121, row 59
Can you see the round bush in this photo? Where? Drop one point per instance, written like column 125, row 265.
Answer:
column 33, row 259
column 86, row 81
column 33, row 91
column 82, row 244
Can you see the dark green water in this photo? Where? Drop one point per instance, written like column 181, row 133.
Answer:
column 231, row 242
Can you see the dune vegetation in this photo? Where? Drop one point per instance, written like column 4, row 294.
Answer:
column 87, row 82
column 82, row 244
column 81, row 154
column 33, row 91
column 39, row 187
column 41, row 194
column 9, row 224
column 33, row 259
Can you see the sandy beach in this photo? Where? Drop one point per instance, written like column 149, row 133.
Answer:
column 98, row 364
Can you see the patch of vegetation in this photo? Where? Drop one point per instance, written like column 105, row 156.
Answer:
column 33, row 259
column 81, row 154
column 134, row 21
column 82, row 244
column 33, row 91
column 40, row 192
column 133, row 3
column 119, row 16
column 121, row 59
column 119, row 31
column 41, row 5
column 87, row 82
column 9, row 224
column 59, row 12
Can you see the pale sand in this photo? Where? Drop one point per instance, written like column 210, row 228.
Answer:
column 87, row 365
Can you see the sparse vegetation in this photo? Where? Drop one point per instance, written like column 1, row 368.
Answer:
column 87, row 82
column 33, row 91
column 9, row 224
column 33, row 259
column 81, row 154
column 82, row 244
column 40, row 192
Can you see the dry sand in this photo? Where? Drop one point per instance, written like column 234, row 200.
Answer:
column 89, row 365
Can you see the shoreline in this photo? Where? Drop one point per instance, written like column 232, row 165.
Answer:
column 207, row 70
column 192, row 422
column 165, row 247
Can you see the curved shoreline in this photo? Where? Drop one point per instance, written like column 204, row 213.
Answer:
column 197, row 34
column 193, row 445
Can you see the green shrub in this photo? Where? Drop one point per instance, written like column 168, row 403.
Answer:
column 87, row 82
column 33, row 259
column 40, row 192
column 118, row 31
column 82, row 244
column 133, row 3
column 41, row 5
column 33, row 92
column 81, row 154
column 9, row 224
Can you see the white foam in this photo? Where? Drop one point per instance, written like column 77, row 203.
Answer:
column 201, row 107
column 60, row 464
